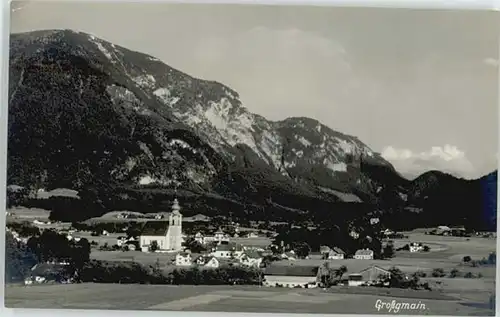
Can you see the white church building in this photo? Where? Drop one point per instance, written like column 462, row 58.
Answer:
column 163, row 236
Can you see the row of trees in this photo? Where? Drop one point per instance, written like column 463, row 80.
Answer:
column 398, row 279
column 132, row 272
column 49, row 246
column 304, row 241
column 24, row 229
column 18, row 259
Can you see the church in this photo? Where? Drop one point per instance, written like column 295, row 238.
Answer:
column 162, row 235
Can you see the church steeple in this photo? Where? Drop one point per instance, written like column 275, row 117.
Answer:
column 175, row 207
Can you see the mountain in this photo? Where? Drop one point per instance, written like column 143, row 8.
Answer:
column 136, row 115
column 125, row 130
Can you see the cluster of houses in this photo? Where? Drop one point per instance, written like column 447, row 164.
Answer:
column 167, row 236
column 222, row 254
column 219, row 236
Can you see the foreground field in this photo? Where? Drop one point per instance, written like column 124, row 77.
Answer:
column 225, row 298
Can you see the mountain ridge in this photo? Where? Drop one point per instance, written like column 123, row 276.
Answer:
column 85, row 113
column 217, row 116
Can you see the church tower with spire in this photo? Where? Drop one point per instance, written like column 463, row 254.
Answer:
column 175, row 227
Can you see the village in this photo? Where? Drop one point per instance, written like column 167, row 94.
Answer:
column 162, row 242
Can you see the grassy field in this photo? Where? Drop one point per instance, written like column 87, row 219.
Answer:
column 226, row 299
column 27, row 214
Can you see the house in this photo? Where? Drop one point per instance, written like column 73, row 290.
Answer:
column 250, row 258
column 167, row 236
column 238, row 250
column 367, row 276
column 131, row 245
column 416, row 247
column 388, row 232
column 120, row 241
column 336, row 254
column 291, row 276
column 289, row 256
column 220, row 236
column 199, row 238
column 374, row 221
column 443, row 230
column 223, row 251
column 324, row 250
column 364, row 254
column 183, row 259
column 207, row 261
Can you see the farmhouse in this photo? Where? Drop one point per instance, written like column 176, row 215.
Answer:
column 251, row 258
column 374, row 221
column 291, row 276
column 166, row 235
column 443, row 230
column 131, row 245
column 220, row 236
column 238, row 250
column 364, row 254
column 367, row 276
column 324, row 250
column 223, row 251
column 183, row 259
column 289, row 256
column 207, row 261
column 416, row 247
column 336, row 254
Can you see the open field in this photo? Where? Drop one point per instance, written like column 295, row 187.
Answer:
column 253, row 242
column 27, row 214
column 222, row 298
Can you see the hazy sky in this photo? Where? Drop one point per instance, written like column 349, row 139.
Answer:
column 419, row 86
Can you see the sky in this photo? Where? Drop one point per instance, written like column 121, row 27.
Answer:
column 418, row 86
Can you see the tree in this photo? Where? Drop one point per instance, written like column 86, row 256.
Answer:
column 302, row 249
column 154, row 246
column 454, row 273
column 388, row 251
column 326, row 273
column 492, row 258
column 18, row 259
column 438, row 272
column 194, row 246
column 339, row 273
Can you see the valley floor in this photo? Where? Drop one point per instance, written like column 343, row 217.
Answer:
column 457, row 296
